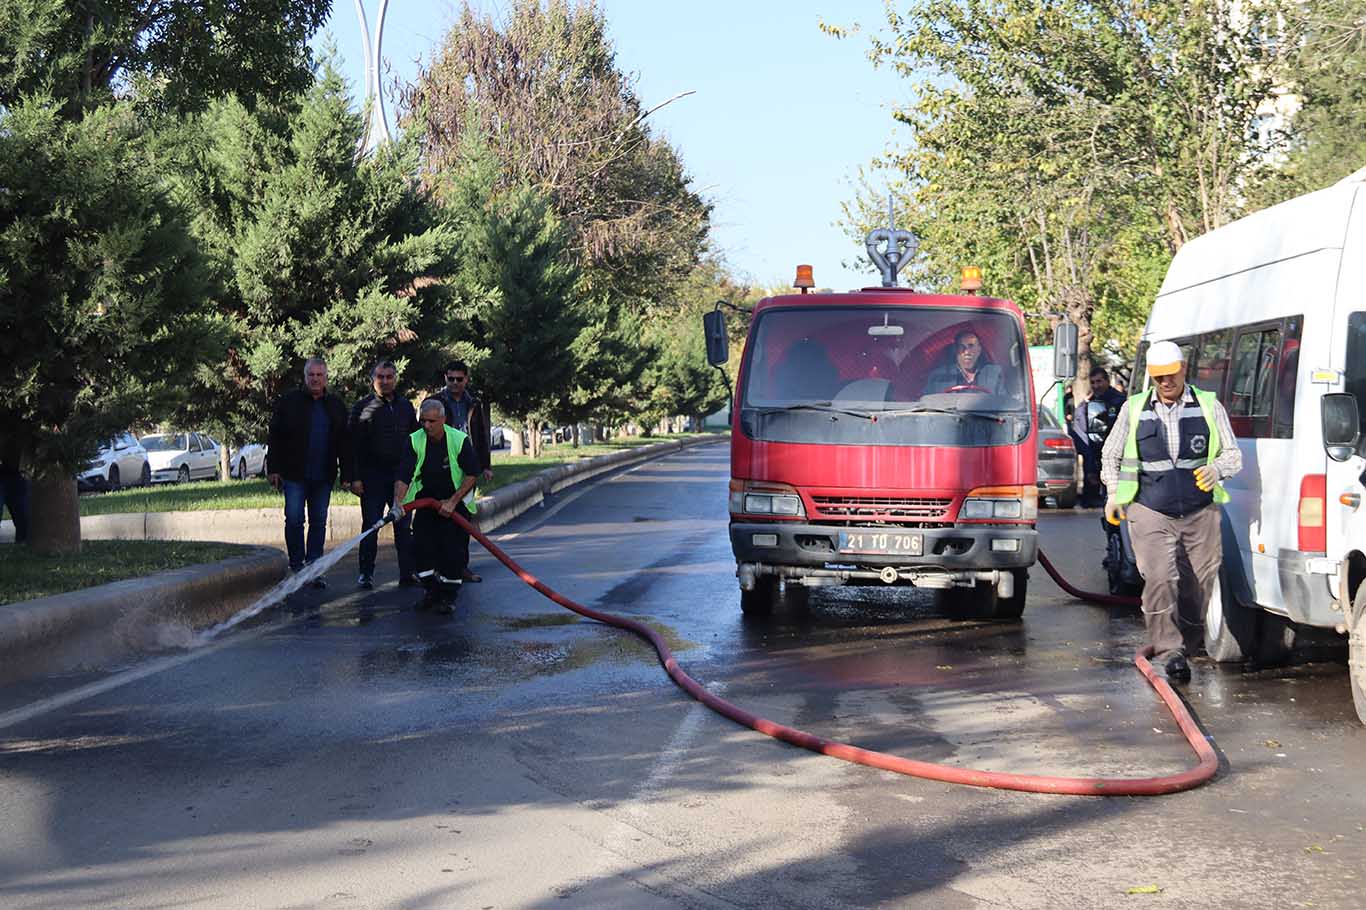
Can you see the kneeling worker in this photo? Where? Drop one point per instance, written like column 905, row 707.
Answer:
column 440, row 464
column 1162, row 464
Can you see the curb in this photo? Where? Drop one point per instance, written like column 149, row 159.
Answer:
column 200, row 595
column 125, row 610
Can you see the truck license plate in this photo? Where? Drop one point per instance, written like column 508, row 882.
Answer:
column 880, row 543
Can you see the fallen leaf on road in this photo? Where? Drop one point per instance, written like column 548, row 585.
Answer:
column 1145, row 889
column 1271, row 744
column 1314, row 848
column 944, row 667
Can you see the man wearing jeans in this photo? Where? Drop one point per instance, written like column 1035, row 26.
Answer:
column 309, row 444
column 380, row 426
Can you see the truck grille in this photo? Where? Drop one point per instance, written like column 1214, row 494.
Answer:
column 883, row 508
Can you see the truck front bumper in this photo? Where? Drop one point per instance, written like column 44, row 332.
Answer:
column 946, row 555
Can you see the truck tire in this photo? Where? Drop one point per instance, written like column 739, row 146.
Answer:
column 1230, row 627
column 982, row 602
column 1067, row 499
column 759, row 602
column 1356, row 652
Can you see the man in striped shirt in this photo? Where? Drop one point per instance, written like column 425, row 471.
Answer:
column 1163, row 465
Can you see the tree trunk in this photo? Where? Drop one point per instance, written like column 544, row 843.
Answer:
column 55, row 516
column 533, row 436
column 224, row 467
column 515, row 441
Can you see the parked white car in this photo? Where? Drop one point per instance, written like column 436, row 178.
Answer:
column 497, row 438
column 181, row 457
column 121, row 461
column 248, row 461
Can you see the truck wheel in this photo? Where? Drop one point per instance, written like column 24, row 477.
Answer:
column 982, row 602
column 759, row 602
column 1230, row 627
column 1067, row 499
column 1356, row 659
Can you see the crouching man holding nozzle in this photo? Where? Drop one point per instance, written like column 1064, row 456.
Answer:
column 439, row 464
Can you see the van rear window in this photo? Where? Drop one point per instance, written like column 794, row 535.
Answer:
column 1355, row 372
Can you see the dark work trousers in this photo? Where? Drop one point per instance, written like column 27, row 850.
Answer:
column 14, row 495
column 312, row 496
column 1179, row 560
column 440, row 550
column 379, row 492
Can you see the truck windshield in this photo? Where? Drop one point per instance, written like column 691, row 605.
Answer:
column 860, row 375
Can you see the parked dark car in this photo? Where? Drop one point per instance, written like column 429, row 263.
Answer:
column 1057, row 462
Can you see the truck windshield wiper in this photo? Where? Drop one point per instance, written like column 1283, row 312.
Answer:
column 983, row 415
column 819, row 407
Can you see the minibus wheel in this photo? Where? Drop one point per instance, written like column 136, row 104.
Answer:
column 1356, row 659
column 1230, row 627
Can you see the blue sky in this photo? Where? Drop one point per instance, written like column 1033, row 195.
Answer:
column 782, row 118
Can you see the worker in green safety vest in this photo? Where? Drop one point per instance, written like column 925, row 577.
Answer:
column 440, row 464
column 1164, row 462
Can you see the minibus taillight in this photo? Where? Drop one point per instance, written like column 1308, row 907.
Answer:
column 1312, row 527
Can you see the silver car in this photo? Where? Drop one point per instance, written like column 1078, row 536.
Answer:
column 182, row 457
column 1057, row 462
column 122, row 461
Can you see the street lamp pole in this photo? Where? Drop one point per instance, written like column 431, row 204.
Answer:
column 374, row 92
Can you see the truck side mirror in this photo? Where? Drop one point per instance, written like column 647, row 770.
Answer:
column 1341, row 425
column 1065, row 350
column 718, row 344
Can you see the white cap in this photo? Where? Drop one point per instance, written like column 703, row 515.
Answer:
column 1164, row 358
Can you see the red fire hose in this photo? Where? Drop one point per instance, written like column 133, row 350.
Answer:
column 1032, row 783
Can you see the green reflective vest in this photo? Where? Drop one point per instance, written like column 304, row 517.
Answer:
column 1126, row 491
column 455, row 440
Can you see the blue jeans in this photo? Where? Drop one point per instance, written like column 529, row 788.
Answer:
column 379, row 492
column 316, row 496
column 14, row 493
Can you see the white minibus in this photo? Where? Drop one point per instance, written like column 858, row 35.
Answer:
column 1271, row 312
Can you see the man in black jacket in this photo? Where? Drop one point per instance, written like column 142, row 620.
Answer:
column 380, row 426
column 308, row 447
column 466, row 413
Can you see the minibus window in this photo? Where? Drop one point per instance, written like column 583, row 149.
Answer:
column 1253, row 386
column 1287, row 373
column 1211, row 361
column 1355, row 373
column 900, row 375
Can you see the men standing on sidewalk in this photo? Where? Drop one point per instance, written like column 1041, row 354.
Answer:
column 308, row 448
column 380, row 425
column 1162, row 464
column 465, row 412
column 439, row 463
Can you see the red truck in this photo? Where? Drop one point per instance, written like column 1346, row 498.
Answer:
column 884, row 436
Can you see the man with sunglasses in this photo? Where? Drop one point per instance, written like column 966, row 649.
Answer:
column 1162, row 465
column 466, row 413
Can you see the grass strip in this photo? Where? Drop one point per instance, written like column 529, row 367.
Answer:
column 257, row 494
column 25, row 575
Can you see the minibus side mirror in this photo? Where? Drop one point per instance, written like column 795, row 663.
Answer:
column 1065, row 350
column 718, row 345
column 1341, row 425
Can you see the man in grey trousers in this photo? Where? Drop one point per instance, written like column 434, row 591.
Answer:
column 1162, row 465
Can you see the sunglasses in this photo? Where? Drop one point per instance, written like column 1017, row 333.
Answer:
column 456, row 378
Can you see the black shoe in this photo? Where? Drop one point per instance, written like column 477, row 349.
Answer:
column 364, row 582
column 470, row 577
column 319, row 583
column 1178, row 669
column 408, row 581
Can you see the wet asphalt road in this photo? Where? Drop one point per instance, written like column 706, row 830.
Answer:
column 345, row 751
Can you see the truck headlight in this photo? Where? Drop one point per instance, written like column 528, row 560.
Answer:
column 766, row 499
column 1001, row 504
